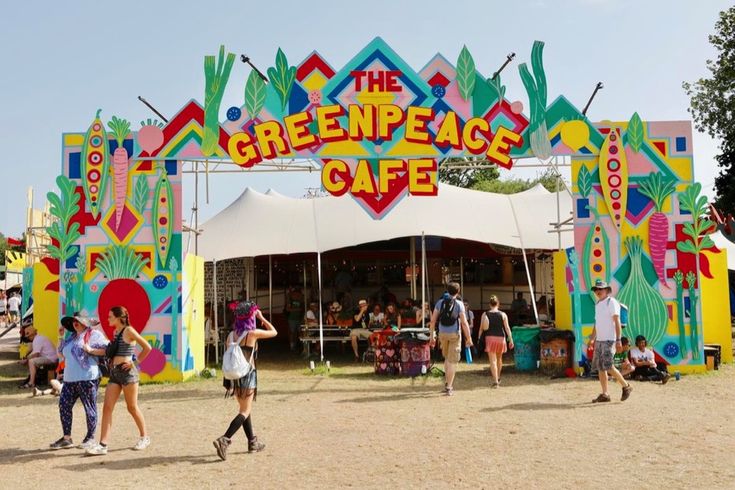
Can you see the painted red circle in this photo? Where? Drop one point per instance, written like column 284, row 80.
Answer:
column 615, row 194
column 162, row 221
column 93, row 176
column 613, row 164
column 94, row 198
column 613, row 150
column 613, row 180
column 597, row 253
column 163, row 198
column 616, row 205
column 617, row 216
column 597, row 228
column 94, row 158
column 613, row 136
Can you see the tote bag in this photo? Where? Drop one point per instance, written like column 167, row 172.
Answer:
column 234, row 364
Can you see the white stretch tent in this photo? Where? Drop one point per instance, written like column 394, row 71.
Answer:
column 724, row 244
column 268, row 224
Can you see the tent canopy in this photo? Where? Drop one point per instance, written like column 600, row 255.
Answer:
column 269, row 224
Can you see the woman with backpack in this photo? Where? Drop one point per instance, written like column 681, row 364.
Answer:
column 246, row 335
column 495, row 322
column 123, row 378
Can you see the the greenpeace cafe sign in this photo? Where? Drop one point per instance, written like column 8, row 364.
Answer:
column 378, row 127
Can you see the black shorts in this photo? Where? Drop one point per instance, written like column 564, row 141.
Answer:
column 124, row 377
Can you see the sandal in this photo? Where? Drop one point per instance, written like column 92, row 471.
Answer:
column 26, row 386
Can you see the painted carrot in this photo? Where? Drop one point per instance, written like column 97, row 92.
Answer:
column 120, row 129
column 658, row 188
column 614, row 177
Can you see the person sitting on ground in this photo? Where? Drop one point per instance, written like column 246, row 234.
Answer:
column 621, row 360
column 42, row 353
column 312, row 315
column 360, row 322
column 644, row 361
column 391, row 318
column 377, row 318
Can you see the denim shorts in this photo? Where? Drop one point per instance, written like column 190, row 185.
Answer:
column 124, row 377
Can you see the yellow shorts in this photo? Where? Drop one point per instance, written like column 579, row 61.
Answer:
column 449, row 343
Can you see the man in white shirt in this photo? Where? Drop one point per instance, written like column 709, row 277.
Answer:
column 14, row 308
column 644, row 361
column 606, row 337
column 42, row 352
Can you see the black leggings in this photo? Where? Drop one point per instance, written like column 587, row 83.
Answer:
column 236, row 423
column 649, row 373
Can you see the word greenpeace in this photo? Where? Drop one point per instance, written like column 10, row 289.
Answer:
column 271, row 139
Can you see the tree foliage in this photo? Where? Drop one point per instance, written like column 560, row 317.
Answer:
column 467, row 176
column 546, row 178
column 713, row 106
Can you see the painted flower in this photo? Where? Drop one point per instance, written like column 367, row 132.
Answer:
column 315, row 97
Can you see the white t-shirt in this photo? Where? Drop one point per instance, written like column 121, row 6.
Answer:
column 14, row 304
column 604, row 325
column 646, row 355
column 43, row 346
column 310, row 316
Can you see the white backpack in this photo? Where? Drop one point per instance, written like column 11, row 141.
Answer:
column 234, row 364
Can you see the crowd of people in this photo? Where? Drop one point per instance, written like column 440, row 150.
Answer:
column 9, row 307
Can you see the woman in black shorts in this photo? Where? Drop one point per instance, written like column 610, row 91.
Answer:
column 123, row 378
column 244, row 389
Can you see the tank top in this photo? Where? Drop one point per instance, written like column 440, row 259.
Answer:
column 495, row 319
column 123, row 348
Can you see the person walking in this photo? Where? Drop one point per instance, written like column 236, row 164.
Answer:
column 81, row 377
column 3, row 307
column 14, row 307
column 245, row 389
column 495, row 322
column 449, row 312
column 606, row 338
column 124, row 378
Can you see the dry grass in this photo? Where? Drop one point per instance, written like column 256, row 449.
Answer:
column 353, row 429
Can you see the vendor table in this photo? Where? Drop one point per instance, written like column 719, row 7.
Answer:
column 310, row 335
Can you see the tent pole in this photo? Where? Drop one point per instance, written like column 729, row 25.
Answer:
column 412, row 262
column 525, row 262
column 461, row 275
column 423, row 276
column 196, row 209
column 321, row 326
column 270, row 288
column 215, row 305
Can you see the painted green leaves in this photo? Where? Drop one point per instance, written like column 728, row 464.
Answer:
column 254, row 94
column 584, row 181
column 698, row 229
column 465, row 73
column 536, row 89
column 215, row 80
column 63, row 207
column 657, row 188
column 120, row 262
column 140, row 198
column 635, row 132
column 282, row 78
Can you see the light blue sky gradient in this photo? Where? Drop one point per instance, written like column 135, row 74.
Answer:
column 64, row 60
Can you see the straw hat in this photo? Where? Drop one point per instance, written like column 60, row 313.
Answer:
column 68, row 321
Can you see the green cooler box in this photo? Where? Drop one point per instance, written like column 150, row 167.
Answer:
column 527, row 347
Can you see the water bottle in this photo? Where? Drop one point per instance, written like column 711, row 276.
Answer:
column 468, row 355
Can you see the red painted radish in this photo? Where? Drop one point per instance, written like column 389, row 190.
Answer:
column 120, row 129
column 155, row 362
column 121, row 265
column 150, row 136
column 658, row 188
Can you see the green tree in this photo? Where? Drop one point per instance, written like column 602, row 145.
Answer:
column 546, row 178
column 713, row 106
column 469, row 174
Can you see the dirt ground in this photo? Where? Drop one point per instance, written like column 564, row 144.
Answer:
column 354, row 429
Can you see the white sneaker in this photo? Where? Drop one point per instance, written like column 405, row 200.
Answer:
column 142, row 443
column 87, row 444
column 96, row 450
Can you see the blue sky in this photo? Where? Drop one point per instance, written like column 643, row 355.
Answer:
column 64, row 60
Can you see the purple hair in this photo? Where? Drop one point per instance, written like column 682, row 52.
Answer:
column 245, row 316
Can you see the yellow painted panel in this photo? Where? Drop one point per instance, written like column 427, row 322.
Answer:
column 562, row 298
column 193, row 315
column 315, row 81
column 338, row 148
column 716, row 305
column 73, row 139
column 404, row 147
column 45, row 304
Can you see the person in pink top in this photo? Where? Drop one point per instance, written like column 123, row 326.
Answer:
column 42, row 352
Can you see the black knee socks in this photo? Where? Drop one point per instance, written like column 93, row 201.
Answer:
column 235, row 425
column 247, row 426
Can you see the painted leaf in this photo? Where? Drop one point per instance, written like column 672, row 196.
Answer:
column 686, row 247
column 635, row 132
column 282, row 77
column 584, row 181
column 254, row 94
column 537, row 62
column 465, row 73
column 141, row 193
